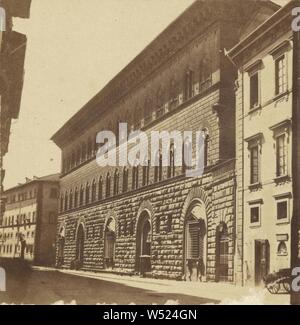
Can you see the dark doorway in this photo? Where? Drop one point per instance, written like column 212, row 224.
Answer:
column 109, row 244
column 80, row 246
column 222, row 253
column 143, row 244
column 262, row 260
column 195, row 244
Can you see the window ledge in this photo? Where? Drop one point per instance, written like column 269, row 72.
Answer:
column 255, row 225
column 279, row 96
column 255, row 186
column 282, row 179
column 255, row 109
column 282, row 221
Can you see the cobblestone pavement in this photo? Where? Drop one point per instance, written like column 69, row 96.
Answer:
column 45, row 286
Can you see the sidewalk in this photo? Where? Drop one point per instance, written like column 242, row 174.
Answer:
column 221, row 292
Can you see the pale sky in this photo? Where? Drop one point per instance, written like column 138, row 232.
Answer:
column 74, row 48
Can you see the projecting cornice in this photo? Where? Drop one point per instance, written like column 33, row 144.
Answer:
column 264, row 36
column 191, row 24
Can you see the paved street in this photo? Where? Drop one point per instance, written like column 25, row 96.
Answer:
column 47, row 286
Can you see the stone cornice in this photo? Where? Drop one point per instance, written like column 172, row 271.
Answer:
column 263, row 36
column 192, row 23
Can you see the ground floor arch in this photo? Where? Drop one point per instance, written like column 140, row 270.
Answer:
column 109, row 243
column 143, row 243
column 80, row 246
column 195, row 243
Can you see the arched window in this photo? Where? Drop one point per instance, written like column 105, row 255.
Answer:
column 206, row 147
column 94, row 190
column 108, row 181
column 158, row 167
column 146, row 170
column 61, row 203
column 83, row 152
column 116, row 182
column 76, row 198
column 81, row 196
column 87, row 193
column 171, row 167
column 160, row 102
column 125, row 180
column 78, row 156
column 100, row 188
column 64, row 166
column 173, row 94
column 160, row 171
column 187, row 154
column 205, row 74
column 66, row 201
column 148, row 109
column 188, row 84
column 89, row 149
column 71, row 200
column 135, row 177
column 95, row 145
column 68, row 164
column 73, row 159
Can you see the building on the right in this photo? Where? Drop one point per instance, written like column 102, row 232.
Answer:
column 266, row 122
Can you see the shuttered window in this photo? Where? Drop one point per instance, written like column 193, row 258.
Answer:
column 193, row 240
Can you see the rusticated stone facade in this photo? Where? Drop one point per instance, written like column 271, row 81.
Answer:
column 158, row 222
column 167, row 248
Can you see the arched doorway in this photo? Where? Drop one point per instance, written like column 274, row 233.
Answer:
column 222, row 253
column 80, row 246
column 195, row 243
column 109, row 243
column 143, row 243
column 61, row 246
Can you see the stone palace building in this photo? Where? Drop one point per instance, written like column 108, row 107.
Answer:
column 156, row 221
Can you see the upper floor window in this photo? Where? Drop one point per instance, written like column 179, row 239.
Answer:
column 254, row 165
column 281, row 136
column 66, row 201
column 125, row 180
column 171, row 167
column 53, row 193
column 83, row 152
column 108, row 181
column 61, row 203
column 189, row 84
column 280, row 75
column 206, row 141
column 94, row 189
column 174, row 93
column 87, row 193
column 81, row 196
column 71, row 200
column 100, row 188
column 76, row 198
column 283, row 207
column 254, row 147
column 281, row 155
column 135, row 177
column 116, row 182
column 205, row 74
column 254, row 90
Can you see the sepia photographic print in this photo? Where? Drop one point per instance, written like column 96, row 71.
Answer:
column 150, row 154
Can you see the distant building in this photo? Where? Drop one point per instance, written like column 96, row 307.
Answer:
column 156, row 221
column 12, row 56
column 29, row 223
column 265, row 127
